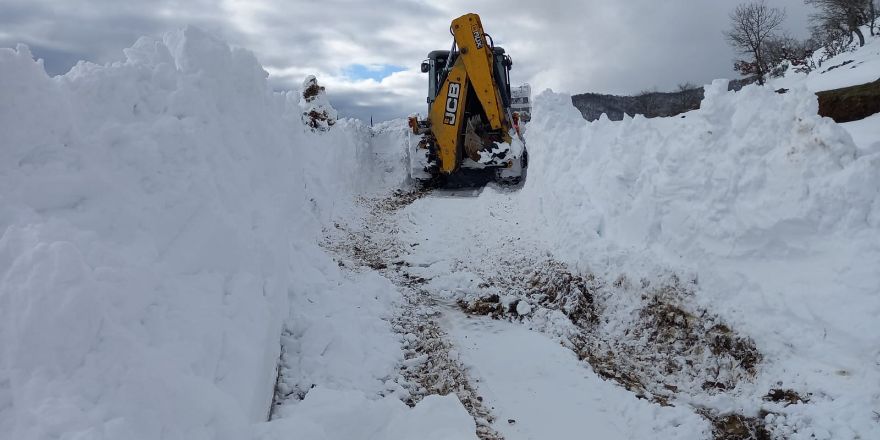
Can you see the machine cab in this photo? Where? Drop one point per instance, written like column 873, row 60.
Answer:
column 438, row 64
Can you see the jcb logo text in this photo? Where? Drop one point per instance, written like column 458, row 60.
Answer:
column 452, row 97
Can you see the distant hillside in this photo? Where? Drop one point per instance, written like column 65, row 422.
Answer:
column 651, row 104
column 848, row 82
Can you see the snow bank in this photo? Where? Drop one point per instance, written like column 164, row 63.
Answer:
column 774, row 209
column 158, row 219
column 347, row 345
column 755, row 166
column 389, row 160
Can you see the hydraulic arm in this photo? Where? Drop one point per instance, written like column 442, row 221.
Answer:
column 469, row 120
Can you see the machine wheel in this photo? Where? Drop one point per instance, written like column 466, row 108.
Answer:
column 510, row 176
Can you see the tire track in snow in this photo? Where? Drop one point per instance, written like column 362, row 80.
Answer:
column 430, row 363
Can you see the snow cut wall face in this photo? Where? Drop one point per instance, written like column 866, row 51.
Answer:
column 751, row 168
column 148, row 214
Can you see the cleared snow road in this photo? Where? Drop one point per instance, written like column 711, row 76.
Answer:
column 522, row 374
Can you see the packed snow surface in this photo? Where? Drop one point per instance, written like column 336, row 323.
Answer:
column 541, row 390
column 344, row 415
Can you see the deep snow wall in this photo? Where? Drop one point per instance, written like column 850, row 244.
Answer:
column 746, row 163
column 154, row 216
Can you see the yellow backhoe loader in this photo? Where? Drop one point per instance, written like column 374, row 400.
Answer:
column 470, row 136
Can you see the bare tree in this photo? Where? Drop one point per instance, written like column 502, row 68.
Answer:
column 830, row 38
column 784, row 52
column 687, row 97
column 683, row 87
column 847, row 15
column 873, row 11
column 647, row 102
column 752, row 26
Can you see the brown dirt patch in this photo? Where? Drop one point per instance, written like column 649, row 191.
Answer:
column 787, row 396
column 738, row 427
column 312, row 91
column 401, row 199
column 850, row 103
column 317, row 119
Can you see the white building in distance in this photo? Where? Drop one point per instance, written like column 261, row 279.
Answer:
column 520, row 101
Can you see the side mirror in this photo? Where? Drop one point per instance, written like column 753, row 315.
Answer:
column 426, row 67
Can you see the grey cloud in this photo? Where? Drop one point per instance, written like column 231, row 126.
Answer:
column 55, row 61
column 360, row 105
column 572, row 46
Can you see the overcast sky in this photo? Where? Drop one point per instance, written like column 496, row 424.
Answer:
column 368, row 53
